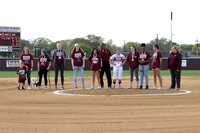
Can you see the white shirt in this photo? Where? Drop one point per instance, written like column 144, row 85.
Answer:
column 117, row 59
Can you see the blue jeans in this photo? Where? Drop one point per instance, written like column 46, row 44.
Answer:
column 144, row 73
column 80, row 69
column 29, row 76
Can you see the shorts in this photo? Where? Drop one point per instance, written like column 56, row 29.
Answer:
column 21, row 81
column 154, row 68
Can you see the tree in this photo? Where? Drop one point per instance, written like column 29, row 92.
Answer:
column 94, row 41
column 186, row 47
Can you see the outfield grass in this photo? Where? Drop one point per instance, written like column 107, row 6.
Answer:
column 189, row 73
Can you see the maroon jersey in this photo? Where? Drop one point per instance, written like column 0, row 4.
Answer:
column 59, row 58
column 156, row 59
column 26, row 58
column 22, row 74
column 133, row 59
column 77, row 56
column 95, row 61
column 43, row 62
column 144, row 56
column 105, row 54
column 174, row 61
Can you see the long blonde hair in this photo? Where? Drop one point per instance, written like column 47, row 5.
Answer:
column 23, row 52
column 74, row 48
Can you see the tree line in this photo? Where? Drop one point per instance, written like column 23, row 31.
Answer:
column 92, row 41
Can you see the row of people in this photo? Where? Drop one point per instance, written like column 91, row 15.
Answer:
column 100, row 63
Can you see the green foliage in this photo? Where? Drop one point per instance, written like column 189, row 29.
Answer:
column 186, row 47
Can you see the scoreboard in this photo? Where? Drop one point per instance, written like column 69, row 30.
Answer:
column 10, row 39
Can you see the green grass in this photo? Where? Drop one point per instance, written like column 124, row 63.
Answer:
column 187, row 73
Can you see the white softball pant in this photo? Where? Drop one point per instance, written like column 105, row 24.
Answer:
column 117, row 71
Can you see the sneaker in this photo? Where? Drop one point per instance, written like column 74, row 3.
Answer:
column 99, row 87
column 46, row 88
column 178, row 89
column 136, row 87
column 23, row 88
column 38, row 88
column 18, row 88
column 140, row 86
column 29, row 87
column 147, row 87
column 130, row 87
column 62, row 88
column 154, row 87
column 55, row 88
column 159, row 88
column 120, row 86
column 75, row 88
column 170, row 88
column 92, row 87
column 113, row 86
column 83, row 87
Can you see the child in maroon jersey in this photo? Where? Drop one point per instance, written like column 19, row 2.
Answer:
column 22, row 75
column 44, row 63
column 95, row 60
column 156, row 65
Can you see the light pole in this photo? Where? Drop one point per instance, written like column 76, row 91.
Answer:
column 157, row 38
column 171, row 27
column 197, row 49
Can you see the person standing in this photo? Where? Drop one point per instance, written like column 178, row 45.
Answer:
column 105, row 56
column 144, row 66
column 95, row 61
column 133, row 63
column 117, row 60
column 58, row 59
column 156, row 65
column 174, row 65
column 21, row 71
column 44, row 63
column 27, row 59
column 78, row 63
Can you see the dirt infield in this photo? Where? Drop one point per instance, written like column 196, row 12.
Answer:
column 42, row 111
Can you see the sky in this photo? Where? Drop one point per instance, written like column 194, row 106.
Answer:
column 119, row 20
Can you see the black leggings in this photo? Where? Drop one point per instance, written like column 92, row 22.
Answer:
column 41, row 72
column 57, row 68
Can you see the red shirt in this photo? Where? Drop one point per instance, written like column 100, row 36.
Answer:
column 59, row 58
column 77, row 56
column 156, row 59
column 146, row 56
column 133, row 59
column 174, row 61
column 26, row 58
column 95, row 62
column 22, row 75
column 105, row 54
column 44, row 62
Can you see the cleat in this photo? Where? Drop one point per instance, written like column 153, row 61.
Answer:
column 23, row 88
column 120, row 86
column 62, row 88
column 55, row 88
column 154, row 87
column 29, row 87
column 46, row 88
column 159, row 88
column 83, row 87
column 140, row 86
column 38, row 88
column 130, row 87
column 147, row 87
column 178, row 89
column 18, row 88
column 92, row 87
column 99, row 87
column 170, row 88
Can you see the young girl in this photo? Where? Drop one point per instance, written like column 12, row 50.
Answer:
column 117, row 60
column 156, row 65
column 133, row 63
column 95, row 61
column 44, row 63
column 78, row 63
column 27, row 59
column 22, row 75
